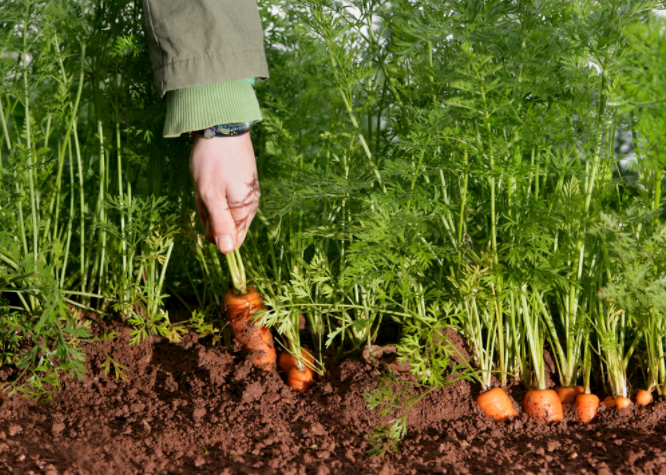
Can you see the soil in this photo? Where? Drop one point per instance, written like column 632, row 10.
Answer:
column 191, row 408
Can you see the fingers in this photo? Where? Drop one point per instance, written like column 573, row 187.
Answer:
column 226, row 188
column 243, row 202
column 201, row 209
column 220, row 226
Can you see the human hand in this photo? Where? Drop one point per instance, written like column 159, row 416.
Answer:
column 226, row 188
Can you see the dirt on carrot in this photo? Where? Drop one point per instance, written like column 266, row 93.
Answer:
column 297, row 379
column 190, row 408
column 256, row 340
column 543, row 405
column 496, row 404
column 587, row 408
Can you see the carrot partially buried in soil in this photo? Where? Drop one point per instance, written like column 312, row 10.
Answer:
column 568, row 394
column 587, row 407
column 496, row 404
column 609, row 401
column 644, row 397
column 543, row 405
column 298, row 374
column 239, row 306
column 622, row 402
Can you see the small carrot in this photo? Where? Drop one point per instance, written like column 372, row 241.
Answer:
column 568, row 394
column 622, row 402
column 296, row 379
column 255, row 339
column 543, row 405
column 643, row 397
column 609, row 401
column 587, row 404
column 496, row 404
column 587, row 407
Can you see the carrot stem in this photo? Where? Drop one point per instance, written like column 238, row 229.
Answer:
column 237, row 272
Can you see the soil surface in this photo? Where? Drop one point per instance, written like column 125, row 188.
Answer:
column 190, row 408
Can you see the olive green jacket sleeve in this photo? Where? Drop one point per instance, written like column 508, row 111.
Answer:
column 199, row 42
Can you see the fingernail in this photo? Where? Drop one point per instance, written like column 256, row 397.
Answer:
column 224, row 243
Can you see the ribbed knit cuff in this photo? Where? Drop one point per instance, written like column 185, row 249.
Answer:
column 200, row 107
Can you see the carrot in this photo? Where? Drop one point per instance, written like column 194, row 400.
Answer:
column 643, row 397
column 568, row 394
column 255, row 339
column 543, row 405
column 622, row 402
column 587, row 407
column 296, row 379
column 609, row 401
column 496, row 404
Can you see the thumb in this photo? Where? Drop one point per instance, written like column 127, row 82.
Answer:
column 222, row 225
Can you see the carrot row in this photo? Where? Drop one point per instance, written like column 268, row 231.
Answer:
column 546, row 405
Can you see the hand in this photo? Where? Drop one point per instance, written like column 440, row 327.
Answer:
column 226, row 188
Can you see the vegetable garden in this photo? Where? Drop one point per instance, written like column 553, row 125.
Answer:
column 459, row 247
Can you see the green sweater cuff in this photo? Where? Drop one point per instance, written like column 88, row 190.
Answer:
column 200, row 107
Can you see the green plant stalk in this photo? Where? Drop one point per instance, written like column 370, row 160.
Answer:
column 28, row 138
column 463, row 203
column 120, row 193
column 534, row 336
column 587, row 365
column 502, row 348
column 68, row 239
column 237, row 272
column 491, row 160
column 352, row 117
column 5, row 131
column 102, row 172
column 70, row 125
column 654, row 350
column 82, row 208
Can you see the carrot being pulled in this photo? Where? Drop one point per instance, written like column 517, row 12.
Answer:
column 240, row 304
column 496, row 404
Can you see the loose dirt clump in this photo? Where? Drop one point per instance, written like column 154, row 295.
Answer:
column 188, row 408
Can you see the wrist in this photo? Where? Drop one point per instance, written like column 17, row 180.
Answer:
column 232, row 129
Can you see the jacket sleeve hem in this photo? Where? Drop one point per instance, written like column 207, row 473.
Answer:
column 211, row 69
column 200, row 107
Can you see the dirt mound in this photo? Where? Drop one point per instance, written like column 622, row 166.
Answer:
column 188, row 408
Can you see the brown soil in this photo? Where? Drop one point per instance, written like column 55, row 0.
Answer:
column 189, row 408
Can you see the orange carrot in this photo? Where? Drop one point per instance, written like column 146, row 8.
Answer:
column 543, row 405
column 496, row 404
column 296, row 379
column 587, row 407
column 568, row 394
column 643, row 397
column 622, row 402
column 609, row 401
column 255, row 339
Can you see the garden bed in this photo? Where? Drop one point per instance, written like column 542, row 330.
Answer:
column 192, row 408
